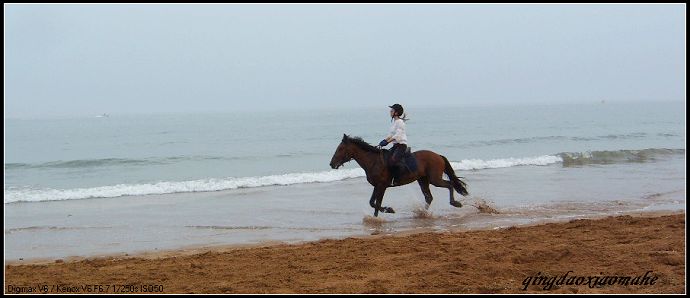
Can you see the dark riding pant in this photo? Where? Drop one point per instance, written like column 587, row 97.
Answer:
column 397, row 153
column 396, row 157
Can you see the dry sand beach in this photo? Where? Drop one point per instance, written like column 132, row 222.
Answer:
column 646, row 252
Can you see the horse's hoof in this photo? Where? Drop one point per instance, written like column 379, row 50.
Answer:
column 456, row 204
column 389, row 210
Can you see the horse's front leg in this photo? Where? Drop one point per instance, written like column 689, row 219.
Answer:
column 379, row 191
column 372, row 201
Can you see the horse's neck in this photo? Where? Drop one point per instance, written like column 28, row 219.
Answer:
column 366, row 160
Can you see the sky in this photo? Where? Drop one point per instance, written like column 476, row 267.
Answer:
column 119, row 59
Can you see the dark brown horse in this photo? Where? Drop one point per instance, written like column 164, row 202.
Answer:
column 430, row 169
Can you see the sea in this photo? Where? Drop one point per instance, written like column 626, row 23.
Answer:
column 108, row 184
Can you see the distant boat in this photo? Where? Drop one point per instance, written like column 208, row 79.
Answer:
column 104, row 115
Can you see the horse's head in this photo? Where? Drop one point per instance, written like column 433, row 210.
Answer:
column 342, row 154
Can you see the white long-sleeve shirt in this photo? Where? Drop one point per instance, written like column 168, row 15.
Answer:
column 397, row 132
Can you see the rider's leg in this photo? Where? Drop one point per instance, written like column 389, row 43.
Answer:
column 396, row 159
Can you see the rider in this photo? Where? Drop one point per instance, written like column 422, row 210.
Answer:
column 398, row 137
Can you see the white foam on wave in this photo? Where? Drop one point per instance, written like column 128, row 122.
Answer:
column 476, row 164
column 37, row 195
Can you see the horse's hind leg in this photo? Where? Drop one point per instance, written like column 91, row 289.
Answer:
column 424, row 185
column 439, row 182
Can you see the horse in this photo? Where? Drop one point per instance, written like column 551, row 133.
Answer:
column 430, row 169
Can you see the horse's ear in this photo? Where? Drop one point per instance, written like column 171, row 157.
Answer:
column 344, row 138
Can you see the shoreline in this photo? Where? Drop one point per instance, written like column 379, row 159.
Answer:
column 370, row 221
column 496, row 260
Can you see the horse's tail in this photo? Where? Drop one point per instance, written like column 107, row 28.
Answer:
column 458, row 184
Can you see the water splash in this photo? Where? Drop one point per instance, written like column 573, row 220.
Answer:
column 421, row 212
column 484, row 206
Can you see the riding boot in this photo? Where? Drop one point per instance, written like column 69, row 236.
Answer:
column 395, row 172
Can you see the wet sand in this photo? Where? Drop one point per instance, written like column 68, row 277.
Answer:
column 488, row 261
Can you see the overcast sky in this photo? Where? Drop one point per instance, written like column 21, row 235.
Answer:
column 93, row 59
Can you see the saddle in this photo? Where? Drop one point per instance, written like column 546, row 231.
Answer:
column 408, row 162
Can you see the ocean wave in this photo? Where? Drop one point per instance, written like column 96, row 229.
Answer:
column 517, row 141
column 117, row 162
column 38, row 195
column 478, row 164
column 567, row 159
column 111, row 162
column 555, row 138
column 616, row 156
column 90, row 163
column 634, row 135
column 49, row 228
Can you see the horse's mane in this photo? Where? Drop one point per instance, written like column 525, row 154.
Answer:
column 361, row 144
